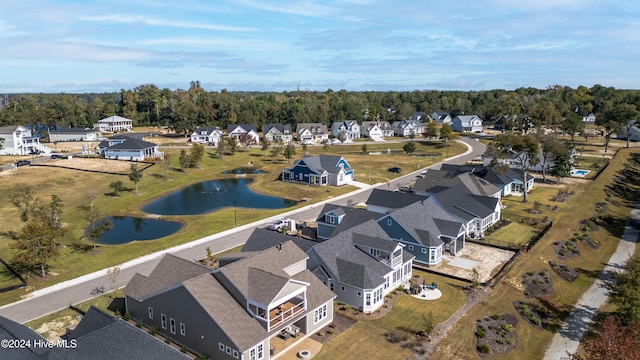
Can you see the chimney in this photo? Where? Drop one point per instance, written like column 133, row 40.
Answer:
column 279, row 246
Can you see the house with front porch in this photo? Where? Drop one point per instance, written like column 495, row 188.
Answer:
column 441, row 117
column 467, row 123
column 320, row 170
column 435, row 181
column 312, row 133
column 114, row 124
column 334, row 219
column 244, row 133
column 124, row 147
column 361, row 265
column 376, row 130
column 210, row 135
column 406, row 128
column 278, row 133
column 73, row 134
column 236, row 311
column 19, row 140
column 509, row 181
column 349, row 128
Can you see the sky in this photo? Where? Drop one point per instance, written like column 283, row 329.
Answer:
column 284, row 45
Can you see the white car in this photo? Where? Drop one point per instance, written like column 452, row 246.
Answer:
column 277, row 225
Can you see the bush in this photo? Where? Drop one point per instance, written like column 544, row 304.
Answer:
column 127, row 316
column 481, row 333
column 183, row 349
column 495, row 317
column 167, row 340
column 153, row 330
column 507, row 327
column 138, row 324
column 484, row 348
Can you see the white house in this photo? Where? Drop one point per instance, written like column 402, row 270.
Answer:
column 467, row 123
column 441, row 117
column 247, row 132
column 279, row 133
column 18, row 140
column 73, row 134
column 376, row 130
column 312, row 133
column 350, row 128
column 206, row 135
column 407, row 128
column 114, row 124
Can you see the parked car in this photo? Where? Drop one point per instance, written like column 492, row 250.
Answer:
column 406, row 188
column 422, row 174
column 23, row 162
column 277, row 225
column 394, row 169
column 56, row 156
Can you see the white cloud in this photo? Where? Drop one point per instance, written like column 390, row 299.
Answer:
column 152, row 21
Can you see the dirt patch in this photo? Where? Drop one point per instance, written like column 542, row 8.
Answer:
column 562, row 196
column 53, row 330
column 340, row 323
column 488, row 261
column 496, row 334
column 566, row 272
column 93, row 164
column 566, row 249
column 537, row 283
column 534, row 314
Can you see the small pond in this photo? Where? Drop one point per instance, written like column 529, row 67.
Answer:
column 128, row 228
column 244, row 171
column 214, row 195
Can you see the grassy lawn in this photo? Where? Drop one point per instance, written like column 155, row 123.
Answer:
column 514, row 234
column 460, row 342
column 366, row 338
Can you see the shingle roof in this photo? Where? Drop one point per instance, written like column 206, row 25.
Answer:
column 460, row 202
column 262, row 239
column 132, row 144
column 245, row 127
column 11, row 330
column 487, row 173
column 320, row 163
column 352, row 216
column 208, row 129
column 101, row 336
column 438, row 180
column 114, row 118
column 421, row 216
column 71, row 130
column 170, row 271
column 392, row 199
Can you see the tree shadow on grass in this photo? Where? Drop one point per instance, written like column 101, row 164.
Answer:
column 82, row 248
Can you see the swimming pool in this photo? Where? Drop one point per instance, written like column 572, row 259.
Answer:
column 579, row 172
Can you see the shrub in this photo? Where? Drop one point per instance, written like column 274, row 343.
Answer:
column 127, row 316
column 139, row 324
column 495, row 317
column 507, row 327
column 183, row 349
column 481, row 333
column 484, row 348
column 153, row 330
column 167, row 340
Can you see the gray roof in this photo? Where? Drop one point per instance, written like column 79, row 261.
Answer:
column 352, row 216
column 170, row 271
column 101, row 336
column 419, row 220
column 245, row 127
column 392, row 199
column 320, row 163
column 460, row 202
column 317, row 128
column 11, row 330
column 262, row 239
column 208, row 129
column 343, row 258
column 132, row 144
column 489, row 174
column 8, row 129
column 72, row 130
column 439, row 180
column 282, row 128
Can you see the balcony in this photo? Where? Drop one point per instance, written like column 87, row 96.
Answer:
column 285, row 312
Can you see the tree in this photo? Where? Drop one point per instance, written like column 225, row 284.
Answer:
column 195, row 155
column 289, row 152
column 561, row 163
column 117, row 187
column 613, row 341
column 97, row 225
column 21, row 197
column 166, row 164
column 625, row 292
column 550, row 146
column 431, row 131
column 232, row 144
column 446, row 132
column 135, row 175
column 183, row 159
column 35, row 246
column 573, row 124
column 364, row 148
column 409, row 147
column 246, row 140
column 342, row 136
column 276, row 150
column 525, row 148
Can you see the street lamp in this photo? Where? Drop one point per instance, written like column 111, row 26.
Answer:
column 235, row 217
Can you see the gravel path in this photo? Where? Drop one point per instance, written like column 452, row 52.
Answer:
column 567, row 339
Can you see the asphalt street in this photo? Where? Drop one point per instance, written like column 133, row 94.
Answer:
column 57, row 297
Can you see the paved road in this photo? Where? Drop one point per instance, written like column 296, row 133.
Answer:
column 567, row 339
column 54, row 298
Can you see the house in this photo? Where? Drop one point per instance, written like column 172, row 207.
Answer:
column 589, row 118
column 384, row 202
column 361, row 266
column 477, row 212
column 407, row 128
column 233, row 312
column 98, row 336
column 312, row 133
column 510, row 181
column 377, row 130
column 467, row 123
column 350, row 128
column 114, row 124
column 334, row 219
column 19, row 140
column 73, row 134
column 244, row 133
column 426, row 229
column 420, row 116
column 263, row 239
column 633, row 128
column 320, row 170
column 206, row 135
column 435, row 181
column 441, row 117
column 278, row 133
column 513, row 160
column 125, row 147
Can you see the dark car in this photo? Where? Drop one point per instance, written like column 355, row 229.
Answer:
column 394, row 169
column 56, row 156
column 23, row 162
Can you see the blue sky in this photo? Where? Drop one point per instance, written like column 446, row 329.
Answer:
column 103, row 46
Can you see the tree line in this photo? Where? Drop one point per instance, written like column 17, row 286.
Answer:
column 182, row 110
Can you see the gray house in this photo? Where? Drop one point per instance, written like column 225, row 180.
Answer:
column 235, row 311
column 361, row 266
column 334, row 219
column 509, row 181
column 125, row 147
column 384, row 202
column 278, row 133
column 435, row 181
column 73, row 134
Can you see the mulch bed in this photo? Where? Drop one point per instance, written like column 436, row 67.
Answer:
column 562, row 196
column 591, row 242
column 496, row 334
column 340, row 323
column 532, row 313
column 566, row 249
column 588, row 225
column 537, row 283
column 566, row 272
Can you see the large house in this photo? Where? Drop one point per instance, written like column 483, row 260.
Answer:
column 210, row 135
column 125, row 147
column 73, row 134
column 376, row 130
column 631, row 130
column 114, row 124
column 441, row 117
column 435, row 181
column 514, row 159
column 510, row 181
column 349, row 128
column 312, row 133
column 467, row 123
column 361, row 266
column 278, row 133
column 320, row 170
column 334, row 219
column 235, row 311
column 18, row 140
column 246, row 133
column 407, row 128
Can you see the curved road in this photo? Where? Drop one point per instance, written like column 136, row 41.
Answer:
column 57, row 297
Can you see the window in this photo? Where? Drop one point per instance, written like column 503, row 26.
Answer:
column 342, row 288
column 433, row 255
column 374, row 252
column 235, row 354
column 410, row 247
column 221, row 346
column 150, row 309
column 229, row 350
column 389, row 222
column 172, row 324
column 163, row 321
column 320, row 313
column 367, row 299
column 331, row 286
column 424, row 250
column 260, row 351
column 183, row 330
column 359, row 293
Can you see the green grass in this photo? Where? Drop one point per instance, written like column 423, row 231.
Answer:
column 514, row 234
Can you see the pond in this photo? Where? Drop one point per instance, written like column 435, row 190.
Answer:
column 128, row 228
column 244, row 171
column 214, row 195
